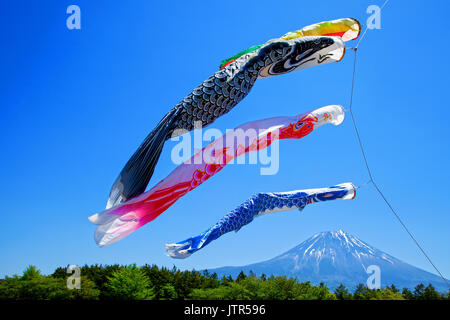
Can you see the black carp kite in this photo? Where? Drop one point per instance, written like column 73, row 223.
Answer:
column 317, row 44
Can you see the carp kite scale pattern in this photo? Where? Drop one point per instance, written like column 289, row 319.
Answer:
column 258, row 205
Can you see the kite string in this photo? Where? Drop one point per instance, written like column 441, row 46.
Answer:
column 371, row 180
column 363, row 184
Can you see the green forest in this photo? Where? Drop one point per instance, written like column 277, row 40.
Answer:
column 149, row 282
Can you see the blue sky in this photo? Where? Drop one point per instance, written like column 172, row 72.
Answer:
column 77, row 103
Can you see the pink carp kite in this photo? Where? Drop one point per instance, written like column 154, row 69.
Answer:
column 118, row 222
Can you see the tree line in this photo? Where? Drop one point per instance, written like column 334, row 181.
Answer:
column 149, row 282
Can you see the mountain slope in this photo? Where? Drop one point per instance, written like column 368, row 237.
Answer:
column 336, row 257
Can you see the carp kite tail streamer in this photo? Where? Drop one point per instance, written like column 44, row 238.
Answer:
column 223, row 90
column 120, row 221
column 258, row 205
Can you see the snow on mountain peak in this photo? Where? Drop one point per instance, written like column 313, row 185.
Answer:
column 335, row 257
column 331, row 244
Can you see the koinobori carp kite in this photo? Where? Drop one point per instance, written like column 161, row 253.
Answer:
column 117, row 222
column 223, row 90
column 258, row 205
column 346, row 28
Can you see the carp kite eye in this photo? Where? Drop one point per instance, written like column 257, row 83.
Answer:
column 298, row 125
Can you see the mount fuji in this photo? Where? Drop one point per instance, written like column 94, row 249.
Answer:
column 336, row 257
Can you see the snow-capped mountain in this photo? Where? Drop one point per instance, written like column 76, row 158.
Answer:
column 336, row 257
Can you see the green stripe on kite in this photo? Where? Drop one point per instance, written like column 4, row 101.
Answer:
column 229, row 60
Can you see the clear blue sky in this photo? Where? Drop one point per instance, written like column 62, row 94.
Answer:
column 76, row 104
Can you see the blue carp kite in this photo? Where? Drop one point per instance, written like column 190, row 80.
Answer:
column 258, row 205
